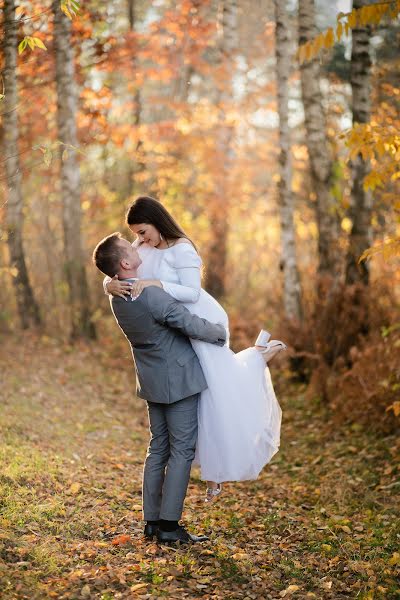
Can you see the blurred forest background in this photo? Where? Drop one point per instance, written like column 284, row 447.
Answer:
column 281, row 164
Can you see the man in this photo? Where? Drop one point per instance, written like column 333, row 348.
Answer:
column 169, row 378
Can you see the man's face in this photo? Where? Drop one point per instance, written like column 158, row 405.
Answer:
column 131, row 259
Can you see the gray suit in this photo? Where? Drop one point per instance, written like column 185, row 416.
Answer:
column 170, row 379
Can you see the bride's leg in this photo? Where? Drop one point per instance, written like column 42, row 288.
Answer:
column 214, row 489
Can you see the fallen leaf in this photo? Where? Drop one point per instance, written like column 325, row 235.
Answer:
column 85, row 591
column 240, row 556
column 121, row 540
column 75, row 487
column 346, row 528
column 289, row 591
column 138, row 586
column 326, row 585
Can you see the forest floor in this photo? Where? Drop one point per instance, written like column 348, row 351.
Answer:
column 320, row 522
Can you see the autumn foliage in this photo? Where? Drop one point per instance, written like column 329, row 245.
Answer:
column 152, row 105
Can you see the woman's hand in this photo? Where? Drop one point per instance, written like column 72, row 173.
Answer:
column 115, row 287
column 138, row 286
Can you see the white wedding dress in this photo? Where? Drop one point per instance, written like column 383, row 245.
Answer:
column 239, row 415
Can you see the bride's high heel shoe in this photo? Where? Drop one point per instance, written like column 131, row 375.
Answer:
column 272, row 349
column 267, row 348
column 212, row 494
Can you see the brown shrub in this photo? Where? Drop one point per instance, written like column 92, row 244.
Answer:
column 347, row 349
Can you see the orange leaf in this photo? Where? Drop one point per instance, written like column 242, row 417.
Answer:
column 121, row 540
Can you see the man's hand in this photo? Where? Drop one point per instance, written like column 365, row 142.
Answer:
column 138, row 286
column 223, row 336
column 115, row 287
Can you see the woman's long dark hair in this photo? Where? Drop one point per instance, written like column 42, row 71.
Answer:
column 146, row 209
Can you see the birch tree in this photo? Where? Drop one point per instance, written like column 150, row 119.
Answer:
column 137, row 164
column 361, row 199
column 292, row 293
column 81, row 324
column 318, row 149
column 27, row 307
column 217, row 257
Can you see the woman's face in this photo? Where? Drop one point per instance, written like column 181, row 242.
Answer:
column 146, row 233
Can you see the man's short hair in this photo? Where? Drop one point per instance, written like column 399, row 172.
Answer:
column 108, row 254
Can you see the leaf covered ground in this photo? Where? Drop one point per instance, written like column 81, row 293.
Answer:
column 321, row 522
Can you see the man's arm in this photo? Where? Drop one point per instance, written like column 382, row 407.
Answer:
column 168, row 311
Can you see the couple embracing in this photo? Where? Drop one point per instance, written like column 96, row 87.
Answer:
column 205, row 403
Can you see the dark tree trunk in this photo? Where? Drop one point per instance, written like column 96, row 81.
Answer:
column 28, row 309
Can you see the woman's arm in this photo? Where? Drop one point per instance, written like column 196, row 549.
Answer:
column 186, row 262
column 188, row 290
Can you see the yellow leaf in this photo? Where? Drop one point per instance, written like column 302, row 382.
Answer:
column 240, row 556
column 22, row 46
column 395, row 560
column 326, row 547
column 339, row 31
column 289, row 590
column 66, row 11
column 138, row 586
column 39, row 43
column 308, row 51
column 352, row 19
column 75, row 487
column 31, row 43
column 329, row 39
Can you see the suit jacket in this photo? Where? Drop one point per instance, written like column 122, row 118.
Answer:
column 158, row 328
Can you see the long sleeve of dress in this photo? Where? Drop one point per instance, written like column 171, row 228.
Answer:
column 187, row 263
column 105, row 282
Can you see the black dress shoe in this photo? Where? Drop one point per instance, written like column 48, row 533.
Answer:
column 150, row 530
column 179, row 535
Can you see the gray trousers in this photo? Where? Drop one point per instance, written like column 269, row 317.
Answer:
column 173, row 430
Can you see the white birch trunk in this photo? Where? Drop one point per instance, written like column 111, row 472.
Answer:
column 361, row 200
column 318, row 150
column 292, row 292
column 81, row 324
column 219, row 210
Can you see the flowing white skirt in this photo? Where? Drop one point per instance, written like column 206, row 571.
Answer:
column 239, row 415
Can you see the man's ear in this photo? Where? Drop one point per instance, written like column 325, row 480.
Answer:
column 124, row 264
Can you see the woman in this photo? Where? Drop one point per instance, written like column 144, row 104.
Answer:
column 239, row 415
